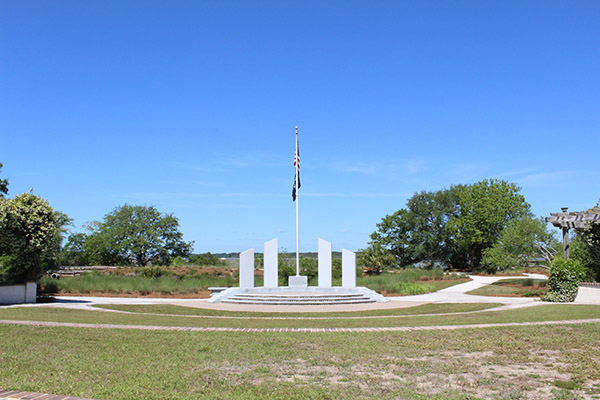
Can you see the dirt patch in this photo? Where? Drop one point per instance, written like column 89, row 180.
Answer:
column 478, row 374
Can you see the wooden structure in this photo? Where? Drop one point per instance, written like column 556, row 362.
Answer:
column 566, row 220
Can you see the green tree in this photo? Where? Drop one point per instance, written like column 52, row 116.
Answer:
column 484, row 210
column 74, row 252
column 524, row 239
column 375, row 258
column 586, row 247
column 30, row 236
column 3, row 185
column 138, row 234
column 419, row 233
column 451, row 226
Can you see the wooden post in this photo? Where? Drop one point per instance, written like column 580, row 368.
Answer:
column 565, row 231
column 566, row 243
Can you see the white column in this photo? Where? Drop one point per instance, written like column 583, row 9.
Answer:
column 324, row 263
column 247, row 269
column 271, row 267
column 348, row 269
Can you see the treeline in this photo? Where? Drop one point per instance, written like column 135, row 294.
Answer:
column 486, row 226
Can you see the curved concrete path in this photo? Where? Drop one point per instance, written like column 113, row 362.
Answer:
column 453, row 294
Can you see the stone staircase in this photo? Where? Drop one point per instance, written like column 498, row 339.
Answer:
column 304, row 299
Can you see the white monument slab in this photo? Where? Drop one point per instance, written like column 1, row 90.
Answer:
column 247, row 269
column 324, row 263
column 271, row 267
column 298, row 281
column 348, row 269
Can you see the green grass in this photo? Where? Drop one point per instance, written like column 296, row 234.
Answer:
column 514, row 288
column 170, row 309
column 539, row 313
column 490, row 363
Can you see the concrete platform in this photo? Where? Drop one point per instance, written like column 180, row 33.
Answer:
column 310, row 295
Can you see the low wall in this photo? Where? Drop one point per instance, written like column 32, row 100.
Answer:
column 18, row 294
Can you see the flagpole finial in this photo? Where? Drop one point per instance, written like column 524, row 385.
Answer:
column 296, row 128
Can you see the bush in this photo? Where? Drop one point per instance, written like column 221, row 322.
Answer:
column 563, row 283
column 153, row 272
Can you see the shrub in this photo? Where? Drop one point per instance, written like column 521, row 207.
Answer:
column 563, row 283
column 152, row 272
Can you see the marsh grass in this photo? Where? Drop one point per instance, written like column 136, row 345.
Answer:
column 122, row 284
column 190, row 281
column 393, row 282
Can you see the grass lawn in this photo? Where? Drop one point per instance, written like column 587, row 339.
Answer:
column 541, row 362
column 539, row 313
column 514, row 288
column 170, row 309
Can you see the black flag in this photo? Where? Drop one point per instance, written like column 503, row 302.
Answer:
column 296, row 170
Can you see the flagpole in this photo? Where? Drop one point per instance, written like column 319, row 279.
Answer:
column 296, row 181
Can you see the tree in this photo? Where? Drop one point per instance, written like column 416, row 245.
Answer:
column 74, row 252
column 420, row 232
column 524, row 239
column 451, row 226
column 138, row 234
column 484, row 210
column 30, row 236
column 3, row 185
column 586, row 247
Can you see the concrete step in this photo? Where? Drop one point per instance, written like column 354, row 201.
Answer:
column 297, row 303
column 299, row 296
column 298, row 299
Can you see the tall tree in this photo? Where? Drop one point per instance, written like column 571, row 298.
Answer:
column 138, row 234
column 3, row 185
column 30, row 236
column 420, row 232
column 451, row 226
column 485, row 208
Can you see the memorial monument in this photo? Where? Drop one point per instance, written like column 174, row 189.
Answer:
column 297, row 292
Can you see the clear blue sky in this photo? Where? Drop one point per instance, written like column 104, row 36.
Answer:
column 191, row 106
